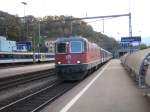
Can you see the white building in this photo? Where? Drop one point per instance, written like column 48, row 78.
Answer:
column 50, row 44
column 7, row 45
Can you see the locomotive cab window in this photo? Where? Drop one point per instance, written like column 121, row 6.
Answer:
column 76, row 47
column 61, row 48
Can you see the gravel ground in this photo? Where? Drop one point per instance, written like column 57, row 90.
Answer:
column 19, row 91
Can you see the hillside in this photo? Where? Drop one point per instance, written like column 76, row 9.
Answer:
column 27, row 29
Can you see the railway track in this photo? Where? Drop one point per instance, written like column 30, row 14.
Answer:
column 9, row 82
column 35, row 101
column 12, row 89
column 38, row 99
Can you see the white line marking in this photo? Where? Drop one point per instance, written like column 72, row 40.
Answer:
column 70, row 104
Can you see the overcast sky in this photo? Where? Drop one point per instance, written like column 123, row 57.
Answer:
column 116, row 27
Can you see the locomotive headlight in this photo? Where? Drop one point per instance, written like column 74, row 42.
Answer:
column 78, row 62
column 59, row 62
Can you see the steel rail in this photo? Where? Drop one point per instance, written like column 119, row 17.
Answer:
column 17, row 101
column 24, row 78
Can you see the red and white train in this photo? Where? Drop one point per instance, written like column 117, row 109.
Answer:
column 75, row 56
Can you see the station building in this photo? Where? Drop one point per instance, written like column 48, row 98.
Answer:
column 7, row 45
column 128, row 45
column 50, row 44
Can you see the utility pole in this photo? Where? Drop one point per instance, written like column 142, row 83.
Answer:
column 39, row 36
column 103, row 26
column 25, row 32
column 33, row 43
column 130, row 25
column 71, row 28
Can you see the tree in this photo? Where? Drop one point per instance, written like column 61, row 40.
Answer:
column 143, row 46
column 51, row 27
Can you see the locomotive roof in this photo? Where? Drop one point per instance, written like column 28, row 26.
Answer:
column 66, row 39
column 106, row 51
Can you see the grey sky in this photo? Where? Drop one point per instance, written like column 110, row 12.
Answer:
column 79, row 8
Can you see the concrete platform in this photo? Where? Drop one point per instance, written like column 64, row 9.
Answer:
column 110, row 89
column 7, row 72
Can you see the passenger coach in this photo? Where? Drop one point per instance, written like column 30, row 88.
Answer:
column 24, row 57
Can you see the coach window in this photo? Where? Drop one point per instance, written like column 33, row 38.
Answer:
column 76, row 47
column 2, row 56
column 61, row 48
column 85, row 47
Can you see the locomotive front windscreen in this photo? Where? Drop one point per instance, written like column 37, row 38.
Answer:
column 61, row 48
column 76, row 47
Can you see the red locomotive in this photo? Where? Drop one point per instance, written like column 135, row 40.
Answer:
column 75, row 56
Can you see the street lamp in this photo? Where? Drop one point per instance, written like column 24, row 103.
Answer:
column 24, row 3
